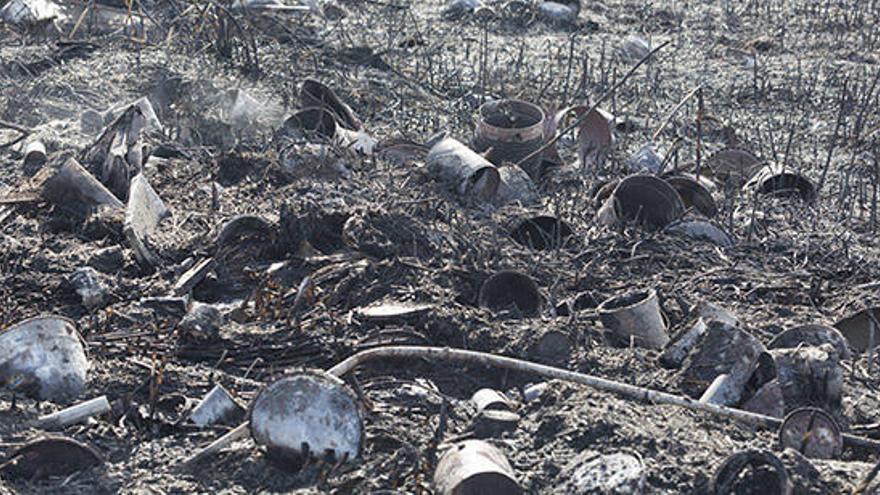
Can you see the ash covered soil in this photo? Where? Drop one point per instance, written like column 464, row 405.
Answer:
column 794, row 82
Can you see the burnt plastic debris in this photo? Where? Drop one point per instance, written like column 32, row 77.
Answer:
column 588, row 473
column 468, row 173
column 695, row 195
column 307, row 414
column 811, row 335
column 475, row 467
column 642, row 199
column 812, row 432
column 637, row 317
column 43, row 357
column 722, row 349
column 317, row 95
column 509, row 131
column 751, row 471
column 507, row 289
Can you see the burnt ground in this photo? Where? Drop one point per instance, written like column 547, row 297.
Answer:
column 793, row 81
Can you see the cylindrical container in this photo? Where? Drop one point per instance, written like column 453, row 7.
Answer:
column 636, row 316
column 647, row 200
column 861, row 329
column 475, row 467
column 812, row 432
column 487, row 398
column 511, row 130
column 307, row 414
column 34, row 155
column 777, row 182
column 509, row 288
column 44, row 357
column 751, row 471
column 694, row 195
column 468, row 172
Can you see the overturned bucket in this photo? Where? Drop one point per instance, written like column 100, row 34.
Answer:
column 475, row 467
column 44, row 358
column 469, row 173
column 307, row 414
column 635, row 316
column 509, row 131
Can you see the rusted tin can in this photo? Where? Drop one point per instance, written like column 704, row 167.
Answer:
column 509, row 131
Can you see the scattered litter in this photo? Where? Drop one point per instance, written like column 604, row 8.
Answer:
column 475, row 466
column 90, row 287
column 107, row 260
column 722, row 349
column 515, row 186
column 694, row 194
column 75, row 414
column 491, row 423
column 202, row 322
column 861, row 329
column 72, row 187
column 217, row 407
column 34, row 156
column 508, row 131
column 144, row 212
column 457, row 8
column 732, row 166
column 558, row 12
column 811, row 335
column 634, row 48
column 676, row 352
column 43, row 357
column 612, row 473
column 393, row 311
column 782, row 183
column 534, row 392
column 646, row 160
